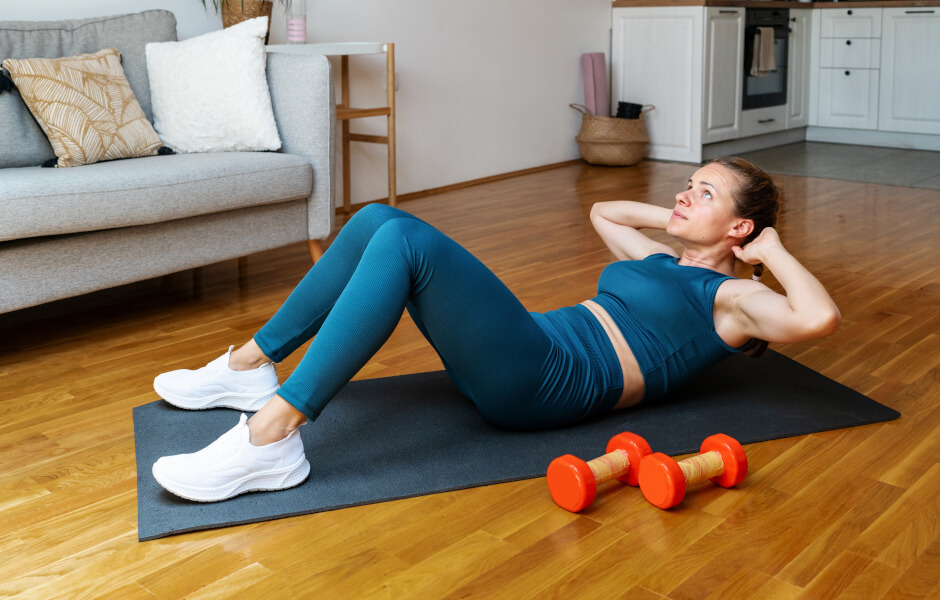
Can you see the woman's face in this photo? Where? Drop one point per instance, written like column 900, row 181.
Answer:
column 704, row 212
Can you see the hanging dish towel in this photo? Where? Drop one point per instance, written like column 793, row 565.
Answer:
column 763, row 52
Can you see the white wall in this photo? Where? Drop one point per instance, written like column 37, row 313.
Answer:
column 484, row 85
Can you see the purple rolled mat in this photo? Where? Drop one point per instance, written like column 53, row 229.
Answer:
column 596, row 92
column 587, row 72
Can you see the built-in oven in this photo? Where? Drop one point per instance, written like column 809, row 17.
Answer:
column 768, row 88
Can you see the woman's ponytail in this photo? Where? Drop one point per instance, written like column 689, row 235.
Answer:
column 758, row 271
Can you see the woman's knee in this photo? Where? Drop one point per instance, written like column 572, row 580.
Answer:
column 404, row 232
column 366, row 223
column 379, row 213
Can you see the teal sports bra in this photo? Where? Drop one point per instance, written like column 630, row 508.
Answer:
column 665, row 312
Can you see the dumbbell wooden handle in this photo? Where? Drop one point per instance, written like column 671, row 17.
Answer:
column 702, row 467
column 663, row 480
column 610, row 466
column 573, row 482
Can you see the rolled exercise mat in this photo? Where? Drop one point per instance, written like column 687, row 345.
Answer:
column 596, row 92
column 587, row 74
column 411, row 435
column 601, row 91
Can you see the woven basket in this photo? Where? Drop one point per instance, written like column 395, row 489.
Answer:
column 612, row 141
column 236, row 11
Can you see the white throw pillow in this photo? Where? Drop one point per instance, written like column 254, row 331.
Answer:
column 210, row 93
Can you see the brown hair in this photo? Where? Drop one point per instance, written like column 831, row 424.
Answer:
column 756, row 198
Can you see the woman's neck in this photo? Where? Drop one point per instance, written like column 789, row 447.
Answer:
column 716, row 259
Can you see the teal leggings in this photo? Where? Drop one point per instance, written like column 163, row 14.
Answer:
column 522, row 370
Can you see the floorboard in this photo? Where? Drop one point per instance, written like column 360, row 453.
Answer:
column 852, row 513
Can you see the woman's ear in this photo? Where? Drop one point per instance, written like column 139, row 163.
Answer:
column 742, row 228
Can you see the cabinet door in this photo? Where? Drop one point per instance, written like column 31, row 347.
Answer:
column 910, row 70
column 724, row 68
column 656, row 58
column 757, row 121
column 848, row 98
column 798, row 61
column 857, row 53
column 851, row 23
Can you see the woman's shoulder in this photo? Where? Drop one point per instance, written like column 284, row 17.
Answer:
column 731, row 291
column 734, row 287
column 726, row 313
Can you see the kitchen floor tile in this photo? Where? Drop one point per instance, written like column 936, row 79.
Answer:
column 869, row 164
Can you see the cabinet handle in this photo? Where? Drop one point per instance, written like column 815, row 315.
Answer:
column 727, row 12
column 767, row 120
column 846, row 73
column 848, row 42
column 918, row 12
column 850, row 13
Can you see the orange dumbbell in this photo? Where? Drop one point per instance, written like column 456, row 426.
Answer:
column 663, row 480
column 573, row 482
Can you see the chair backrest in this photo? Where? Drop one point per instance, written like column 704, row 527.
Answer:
column 23, row 143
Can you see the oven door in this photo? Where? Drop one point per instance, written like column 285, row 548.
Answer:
column 770, row 90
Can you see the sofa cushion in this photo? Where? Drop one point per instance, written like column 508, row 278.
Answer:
column 210, row 93
column 23, row 143
column 85, row 107
column 37, row 202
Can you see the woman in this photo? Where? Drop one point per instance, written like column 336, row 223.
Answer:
column 659, row 318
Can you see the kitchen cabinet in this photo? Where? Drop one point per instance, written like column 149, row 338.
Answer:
column 656, row 58
column 849, row 64
column 851, row 23
column 798, row 78
column 724, row 63
column 851, row 53
column 910, row 70
column 769, row 119
column 848, row 98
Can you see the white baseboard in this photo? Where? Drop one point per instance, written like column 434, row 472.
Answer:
column 757, row 142
column 864, row 137
column 834, row 135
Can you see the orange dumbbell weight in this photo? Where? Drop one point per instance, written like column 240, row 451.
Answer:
column 663, row 480
column 573, row 482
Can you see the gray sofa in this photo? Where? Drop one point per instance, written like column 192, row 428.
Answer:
column 70, row 231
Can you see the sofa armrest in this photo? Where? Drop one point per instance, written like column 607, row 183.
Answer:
column 305, row 112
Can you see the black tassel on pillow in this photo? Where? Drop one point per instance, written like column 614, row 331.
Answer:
column 6, row 84
column 163, row 151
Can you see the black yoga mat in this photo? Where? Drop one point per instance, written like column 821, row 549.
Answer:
column 398, row 437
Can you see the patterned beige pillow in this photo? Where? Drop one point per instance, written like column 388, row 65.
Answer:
column 85, row 107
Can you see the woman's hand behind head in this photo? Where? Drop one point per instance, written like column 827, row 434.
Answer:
column 760, row 248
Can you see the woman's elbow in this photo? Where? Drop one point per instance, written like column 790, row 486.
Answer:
column 596, row 210
column 827, row 322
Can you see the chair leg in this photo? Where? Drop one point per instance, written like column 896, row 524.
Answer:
column 316, row 249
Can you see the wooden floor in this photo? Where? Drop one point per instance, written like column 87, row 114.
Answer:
column 852, row 513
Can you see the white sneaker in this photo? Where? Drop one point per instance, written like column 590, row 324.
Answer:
column 231, row 465
column 216, row 384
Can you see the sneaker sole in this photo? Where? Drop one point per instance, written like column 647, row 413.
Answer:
column 243, row 402
column 269, row 481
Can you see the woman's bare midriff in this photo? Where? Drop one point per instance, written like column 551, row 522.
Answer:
column 632, row 376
